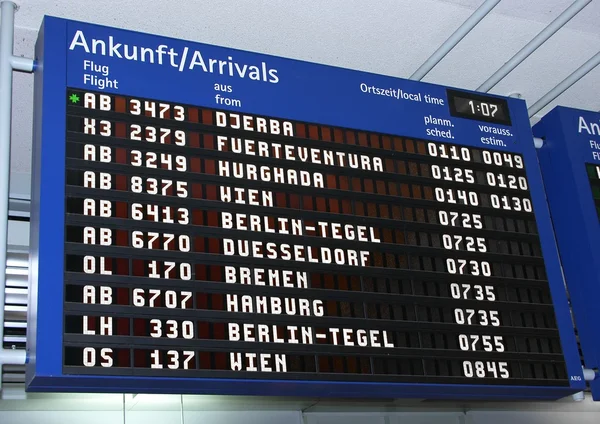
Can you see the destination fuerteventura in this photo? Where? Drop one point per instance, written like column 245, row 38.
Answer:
column 185, row 59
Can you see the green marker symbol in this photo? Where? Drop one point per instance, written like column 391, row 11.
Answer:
column 74, row 98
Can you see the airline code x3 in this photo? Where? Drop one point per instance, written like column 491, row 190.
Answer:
column 210, row 220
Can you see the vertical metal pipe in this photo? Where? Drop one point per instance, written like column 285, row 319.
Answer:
column 533, row 45
column 454, row 39
column 182, row 416
column 7, row 21
column 565, row 84
column 124, row 405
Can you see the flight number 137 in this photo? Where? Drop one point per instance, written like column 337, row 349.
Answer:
column 172, row 359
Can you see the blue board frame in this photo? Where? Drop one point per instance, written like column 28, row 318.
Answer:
column 302, row 91
column 571, row 141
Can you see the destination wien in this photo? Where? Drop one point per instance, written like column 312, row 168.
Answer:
column 260, row 222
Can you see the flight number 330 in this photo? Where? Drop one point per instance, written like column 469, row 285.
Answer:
column 172, row 329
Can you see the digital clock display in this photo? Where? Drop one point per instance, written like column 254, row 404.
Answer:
column 475, row 106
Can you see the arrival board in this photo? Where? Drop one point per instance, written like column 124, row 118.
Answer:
column 570, row 162
column 209, row 220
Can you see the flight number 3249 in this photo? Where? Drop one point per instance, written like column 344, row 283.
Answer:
column 159, row 160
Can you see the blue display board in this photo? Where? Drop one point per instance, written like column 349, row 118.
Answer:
column 570, row 163
column 209, row 220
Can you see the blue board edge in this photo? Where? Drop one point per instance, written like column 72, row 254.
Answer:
column 562, row 160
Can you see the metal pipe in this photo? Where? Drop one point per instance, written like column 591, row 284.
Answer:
column 7, row 21
column 560, row 88
column 22, row 64
column 589, row 374
column 7, row 60
column 533, row 45
column 454, row 39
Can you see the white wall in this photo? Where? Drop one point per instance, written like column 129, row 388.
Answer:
column 148, row 417
column 156, row 409
column 295, row 417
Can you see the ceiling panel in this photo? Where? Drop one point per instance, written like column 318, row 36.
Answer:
column 391, row 37
column 543, row 11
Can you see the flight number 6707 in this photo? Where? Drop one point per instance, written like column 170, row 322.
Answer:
column 155, row 298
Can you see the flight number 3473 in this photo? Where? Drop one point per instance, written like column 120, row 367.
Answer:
column 156, row 109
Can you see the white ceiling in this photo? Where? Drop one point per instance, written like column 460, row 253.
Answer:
column 390, row 37
column 543, row 11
